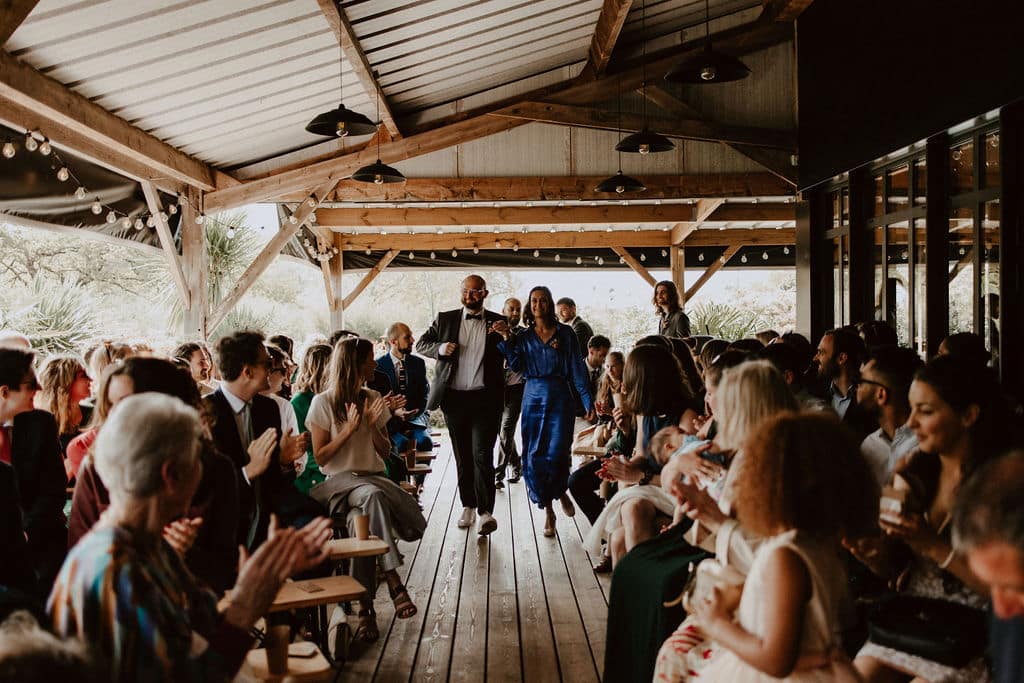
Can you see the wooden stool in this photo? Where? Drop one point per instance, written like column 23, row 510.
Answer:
column 300, row 667
column 420, row 469
column 425, row 457
column 345, row 548
column 318, row 593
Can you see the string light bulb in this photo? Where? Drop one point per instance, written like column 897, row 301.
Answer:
column 45, row 148
column 536, row 253
column 63, row 174
column 743, row 259
column 476, row 249
column 30, row 142
column 80, row 193
column 558, row 257
column 515, row 246
column 700, row 257
column 579, row 260
column 764, row 255
column 96, row 207
column 200, row 219
column 139, row 225
column 111, row 217
column 126, row 223
column 8, row 150
column 150, row 221
column 455, row 253
column 643, row 256
column 433, row 256
column 412, row 256
column 172, row 209
column 785, row 250
column 293, row 220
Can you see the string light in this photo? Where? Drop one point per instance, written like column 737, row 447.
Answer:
column 30, row 142
column 455, row 253
column 743, row 259
column 126, row 223
column 515, row 246
column 700, row 257
column 536, row 253
column 111, row 217
column 664, row 253
column 579, row 260
column 139, row 225
column 412, row 256
column 8, row 150
column 764, row 255
column 476, row 249
column 96, row 207
column 63, row 174
column 558, row 257
column 785, row 250
column 643, row 256
column 45, row 148
column 80, row 193
column 433, row 256
column 231, row 233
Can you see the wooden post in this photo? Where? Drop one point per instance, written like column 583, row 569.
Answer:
column 194, row 264
column 1011, row 246
column 677, row 260
column 337, row 269
column 937, row 242
column 170, row 250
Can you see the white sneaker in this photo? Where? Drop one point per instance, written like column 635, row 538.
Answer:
column 467, row 518
column 487, row 524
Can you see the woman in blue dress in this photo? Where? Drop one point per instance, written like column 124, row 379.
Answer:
column 548, row 355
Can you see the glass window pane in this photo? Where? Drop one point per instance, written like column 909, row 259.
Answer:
column 836, row 209
column 920, row 257
column 991, row 154
column 846, row 279
column 897, row 286
column 961, row 270
column 920, row 182
column 845, row 206
column 990, row 278
column 837, row 281
column 898, row 191
column 961, row 168
column 877, row 249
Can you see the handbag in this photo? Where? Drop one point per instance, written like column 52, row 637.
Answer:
column 946, row 632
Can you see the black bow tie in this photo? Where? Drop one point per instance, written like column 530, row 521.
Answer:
column 478, row 316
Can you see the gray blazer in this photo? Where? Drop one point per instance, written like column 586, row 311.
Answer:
column 445, row 329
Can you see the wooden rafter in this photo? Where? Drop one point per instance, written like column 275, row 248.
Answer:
column 88, row 122
column 637, row 267
column 705, row 207
column 325, row 269
column 195, row 264
column 337, row 269
column 785, row 10
column 299, row 180
column 744, row 237
column 355, row 56
column 776, row 161
column 546, row 188
column 712, row 269
column 170, row 251
column 12, row 14
column 606, row 34
column 605, row 214
column 687, row 129
column 270, row 252
column 383, row 263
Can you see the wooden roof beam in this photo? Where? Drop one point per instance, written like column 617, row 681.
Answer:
column 784, row 10
column 744, row 237
column 607, row 214
column 170, row 250
column 775, row 161
column 355, row 56
column 711, row 270
column 637, row 267
column 12, row 14
column 89, row 124
column 687, row 129
column 547, row 188
column 705, row 207
column 606, row 35
column 383, row 263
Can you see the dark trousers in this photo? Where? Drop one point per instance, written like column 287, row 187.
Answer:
column 583, row 485
column 508, row 455
column 473, row 418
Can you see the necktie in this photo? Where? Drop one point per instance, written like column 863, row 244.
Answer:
column 401, row 378
column 6, row 448
column 257, row 486
column 246, row 415
column 478, row 316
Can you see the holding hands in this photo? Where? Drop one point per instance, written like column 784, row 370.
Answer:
column 501, row 327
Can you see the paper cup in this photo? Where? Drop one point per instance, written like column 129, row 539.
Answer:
column 362, row 527
column 276, row 644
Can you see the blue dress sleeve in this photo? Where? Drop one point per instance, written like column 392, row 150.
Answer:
column 575, row 370
column 513, row 350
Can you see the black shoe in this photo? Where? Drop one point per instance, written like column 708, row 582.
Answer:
column 514, row 479
column 499, row 485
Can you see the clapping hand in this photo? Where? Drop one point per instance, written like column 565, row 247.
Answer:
column 352, row 418
column 912, row 529
column 181, row 534
column 393, row 401
column 615, row 469
column 698, row 505
column 314, row 536
column 373, row 409
column 712, row 609
column 260, row 452
column 293, row 446
column 623, row 420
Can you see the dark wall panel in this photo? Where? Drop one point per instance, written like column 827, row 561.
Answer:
column 877, row 75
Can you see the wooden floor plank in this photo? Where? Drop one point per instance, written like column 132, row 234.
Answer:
column 433, row 657
column 503, row 662
column 364, row 659
column 574, row 657
column 590, row 600
column 540, row 661
column 399, row 652
column 583, row 527
column 469, row 651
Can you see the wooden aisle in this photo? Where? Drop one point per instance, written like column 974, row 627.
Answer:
column 512, row 607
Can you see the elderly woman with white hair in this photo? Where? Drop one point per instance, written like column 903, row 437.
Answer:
column 128, row 595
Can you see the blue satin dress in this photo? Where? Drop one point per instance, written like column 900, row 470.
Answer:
column 549, row 407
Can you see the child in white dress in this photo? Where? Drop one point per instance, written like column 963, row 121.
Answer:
column 802, row 484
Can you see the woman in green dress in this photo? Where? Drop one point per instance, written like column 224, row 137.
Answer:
column 311, row 381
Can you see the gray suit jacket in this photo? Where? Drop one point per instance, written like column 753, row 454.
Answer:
column 445, row 329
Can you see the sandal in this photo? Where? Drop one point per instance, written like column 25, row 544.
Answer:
column 367, row 631
column 404, row 606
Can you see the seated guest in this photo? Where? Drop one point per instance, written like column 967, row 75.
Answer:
column 312, row 380
column 64, row 384
column 989, row 531
column 350, row 441
column 968, row 347
column 29, row 654
column 127, row 595
column 286, row 344
column 882, row 393
column 672, row 321
column 407, row 375
column 246, row 427
column 838, row 358
column 709, row 352
column 29, row 443
column 597, row 350
column 877, row 333
column 956, row 416
column 766, row 337
column 289, row 422
column 13, row 575
column 198, row 362
column 787, row 360
column 609, row 385
column 207, row 536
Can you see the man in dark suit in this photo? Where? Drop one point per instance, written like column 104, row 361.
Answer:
column 838, row 357
column 566, row 310
column 469, row 383
column 29, row 443
column 247, row 429
column 408, row 377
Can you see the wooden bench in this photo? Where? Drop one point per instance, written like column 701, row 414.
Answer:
column 300, row 667
column 345, row 548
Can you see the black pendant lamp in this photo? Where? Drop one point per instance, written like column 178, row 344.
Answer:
column 378, row 173
column 337, row 123
column 620, row 183
column 708, row 65
column 645, row 141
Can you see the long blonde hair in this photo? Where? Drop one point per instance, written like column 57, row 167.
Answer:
column 748, row 395
column 313, row 373
column 55, row 379
column 345, row 381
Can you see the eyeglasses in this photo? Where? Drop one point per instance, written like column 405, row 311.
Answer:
column 877, row 384
column 474, row 292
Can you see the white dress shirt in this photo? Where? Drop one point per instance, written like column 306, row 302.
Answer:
column 469, row 367
column 883, row 454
